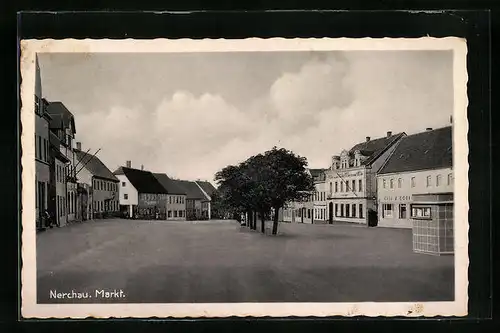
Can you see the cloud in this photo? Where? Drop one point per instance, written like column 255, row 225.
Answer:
column 319, row 85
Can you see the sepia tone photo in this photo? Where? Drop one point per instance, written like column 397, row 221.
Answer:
column 217, row 178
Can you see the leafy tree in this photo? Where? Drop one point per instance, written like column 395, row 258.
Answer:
column 264, row 182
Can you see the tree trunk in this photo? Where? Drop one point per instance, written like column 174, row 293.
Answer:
column 254, row 223
column 276, row 219
column 248, row 221
column 262, row 223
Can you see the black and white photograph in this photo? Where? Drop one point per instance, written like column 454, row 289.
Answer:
column 255, row 177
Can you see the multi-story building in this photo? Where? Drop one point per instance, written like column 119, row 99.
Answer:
column 351, row 180
column 299, row 211
column 176, row 197
column 195, row 198
column 62, row 124
column 42, row 152
column 141, row 195
column 206, row 205
column 415, row 190
column 319, row 197
column 103, row 199
column 57, row 188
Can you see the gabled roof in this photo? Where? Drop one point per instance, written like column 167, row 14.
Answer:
column 191, row 189
column 94, row 165
column 422, row 151
column 61, row 117
column 206, row 186
column 143, row 181
column 169, row 184
column 372, row 149
column 318, row 174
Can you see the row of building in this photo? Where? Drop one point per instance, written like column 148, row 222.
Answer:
column 75, row 185
column 398, row 181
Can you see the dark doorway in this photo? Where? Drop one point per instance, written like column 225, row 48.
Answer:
column 372, row 218
column 330, row 213
column 302, row 215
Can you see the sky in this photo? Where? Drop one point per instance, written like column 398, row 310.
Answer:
column 191, row 114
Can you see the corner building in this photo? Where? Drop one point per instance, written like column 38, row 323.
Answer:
column 415, row 190
column 351, row 180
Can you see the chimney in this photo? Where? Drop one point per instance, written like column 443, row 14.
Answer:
column 367, row 138
column 142, row 166
column 428, row 129
column 389, row 134
column 129, row 164
column 79, row 145
column 451, row 120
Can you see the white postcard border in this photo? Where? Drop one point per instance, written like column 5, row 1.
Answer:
column 29, row 307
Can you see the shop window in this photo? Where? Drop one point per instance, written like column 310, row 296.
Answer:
column 423, row 212
column 402, row 211
column 361, row 211
column 347, row 210
column 387, row 210
column 169, row 213
column 428, row 181
column 336, row 209
column 413, row 182
column 400, row 182
column 353, row 213
column 341, row 210
column 438, row 180
column 175, row 213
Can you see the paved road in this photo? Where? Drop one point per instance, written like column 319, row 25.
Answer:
column 219, row 261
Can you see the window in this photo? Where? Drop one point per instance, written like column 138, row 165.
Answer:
column 428, row 181
column 360, row 215
column 40, row 147
column 360, row 185
column 331, row 187
column 123, row 184
column 336, row 187
column 169, row 213
column 37, row 105
column 347, row 186
column 336, row 209
column 402, row 211
column 308, row 213
column 341, row 209
column 386, row 210
column 438, row 180
column 391, row 182
column 450, row 178
column 400, row 182
column 347, row 210
column 341, row 186
column 175, row 213
column 383, row 183
column 170, row 200
column 353, row 187
column 125, row 196
column 353, row 213
column 413, row 182
column 421, row 212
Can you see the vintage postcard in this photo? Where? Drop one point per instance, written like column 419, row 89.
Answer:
column 257, row 177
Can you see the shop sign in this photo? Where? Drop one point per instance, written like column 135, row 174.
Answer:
column 398, row 198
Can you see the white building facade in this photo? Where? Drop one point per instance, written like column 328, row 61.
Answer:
column 351, row 180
